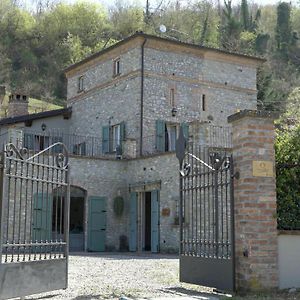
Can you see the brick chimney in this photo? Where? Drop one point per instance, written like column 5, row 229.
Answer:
column 17, row 105
column 2, row 94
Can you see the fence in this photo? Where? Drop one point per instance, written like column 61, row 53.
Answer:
column 91, row 146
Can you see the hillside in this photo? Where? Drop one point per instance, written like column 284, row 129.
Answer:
column 37, row 45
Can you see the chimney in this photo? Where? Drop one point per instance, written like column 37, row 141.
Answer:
column 17, row 105
column 2, row 94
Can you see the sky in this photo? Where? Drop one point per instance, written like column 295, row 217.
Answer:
column 153, row 3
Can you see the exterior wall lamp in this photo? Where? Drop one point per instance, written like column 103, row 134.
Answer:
column 174, row 111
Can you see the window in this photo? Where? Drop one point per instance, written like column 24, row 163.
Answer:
column 41, row 142
column 171, row 131
column 203, row 103
column 172, row 97
column 116, row 137
column 112, row 137
column 80, row 84
column 117, row 67
column 79, row 149
column 166, row 135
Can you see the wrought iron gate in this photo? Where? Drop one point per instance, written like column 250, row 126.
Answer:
column 34, row 220
column 206, row 216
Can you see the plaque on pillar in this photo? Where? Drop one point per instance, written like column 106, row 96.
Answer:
column 262, row 168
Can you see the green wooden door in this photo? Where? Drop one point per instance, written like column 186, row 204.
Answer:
column 133, row 222
column 97, row 223
column 42, row 217
column 155, row 221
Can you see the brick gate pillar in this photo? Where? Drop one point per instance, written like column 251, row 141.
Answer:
column 255, row 201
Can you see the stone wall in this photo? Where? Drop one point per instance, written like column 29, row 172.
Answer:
column 104, row 178
column 109, row 178
column 163, row 168
column 227, row 87
column 101, row 73
column 108, row 100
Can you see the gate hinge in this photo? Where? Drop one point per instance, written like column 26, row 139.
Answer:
column 236, row 175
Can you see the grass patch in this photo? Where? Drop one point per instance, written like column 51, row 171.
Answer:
column 34, row 106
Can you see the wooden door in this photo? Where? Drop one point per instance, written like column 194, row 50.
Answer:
column 97, row 224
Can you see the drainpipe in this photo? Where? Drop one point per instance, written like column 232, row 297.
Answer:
column 142, row 96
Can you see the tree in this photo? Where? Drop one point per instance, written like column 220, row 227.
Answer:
column 283, row 30
column 245, row 18
column 231, row 28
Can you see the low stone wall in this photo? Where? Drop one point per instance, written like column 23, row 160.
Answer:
column 289, row 259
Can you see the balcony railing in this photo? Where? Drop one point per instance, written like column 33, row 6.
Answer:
column 91, row 146
column 79, row 145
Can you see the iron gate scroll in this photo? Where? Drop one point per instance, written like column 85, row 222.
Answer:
column 34, row 220
column 206, row 216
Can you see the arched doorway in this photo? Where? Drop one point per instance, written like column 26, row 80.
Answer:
column 77, row 216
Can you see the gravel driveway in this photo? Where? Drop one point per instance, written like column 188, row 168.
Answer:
column 110, row 276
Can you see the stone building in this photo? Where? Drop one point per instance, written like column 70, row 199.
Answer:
column 124, row 108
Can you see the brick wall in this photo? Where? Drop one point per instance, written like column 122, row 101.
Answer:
column 255, row 201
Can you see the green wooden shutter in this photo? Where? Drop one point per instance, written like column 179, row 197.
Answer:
column 42, row 217
column 160, row 135
column 105, row 139
column 185, row 128
column 76, row 149
column 29, row 141
column 97, row 223
column 155, row 221
column 122, row 131
column 83, row 148
column 133, row 222
column 122, row 135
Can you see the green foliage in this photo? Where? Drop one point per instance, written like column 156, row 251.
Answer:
column 245, row 18
column 36, row 47
column 287, row 149
column 283, row 27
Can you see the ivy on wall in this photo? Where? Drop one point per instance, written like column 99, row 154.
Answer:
column 287, row 147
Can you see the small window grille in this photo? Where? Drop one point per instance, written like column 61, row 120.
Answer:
column 203, row 103
column 80, row 84
column 172, row 97
column 117, row 67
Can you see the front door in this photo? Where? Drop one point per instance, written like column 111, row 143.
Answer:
column 144, row 221
column 155, row 221
column 97, row 224
column 76, row 237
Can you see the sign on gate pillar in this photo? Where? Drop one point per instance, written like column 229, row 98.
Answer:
column 255, row 200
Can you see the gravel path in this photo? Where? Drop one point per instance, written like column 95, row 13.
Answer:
column 110, row 276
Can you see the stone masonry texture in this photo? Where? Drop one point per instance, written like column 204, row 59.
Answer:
column 111, row 178
column 255, row 204
column 108, row 100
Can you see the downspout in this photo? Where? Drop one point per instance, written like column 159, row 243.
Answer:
column 142, row 96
